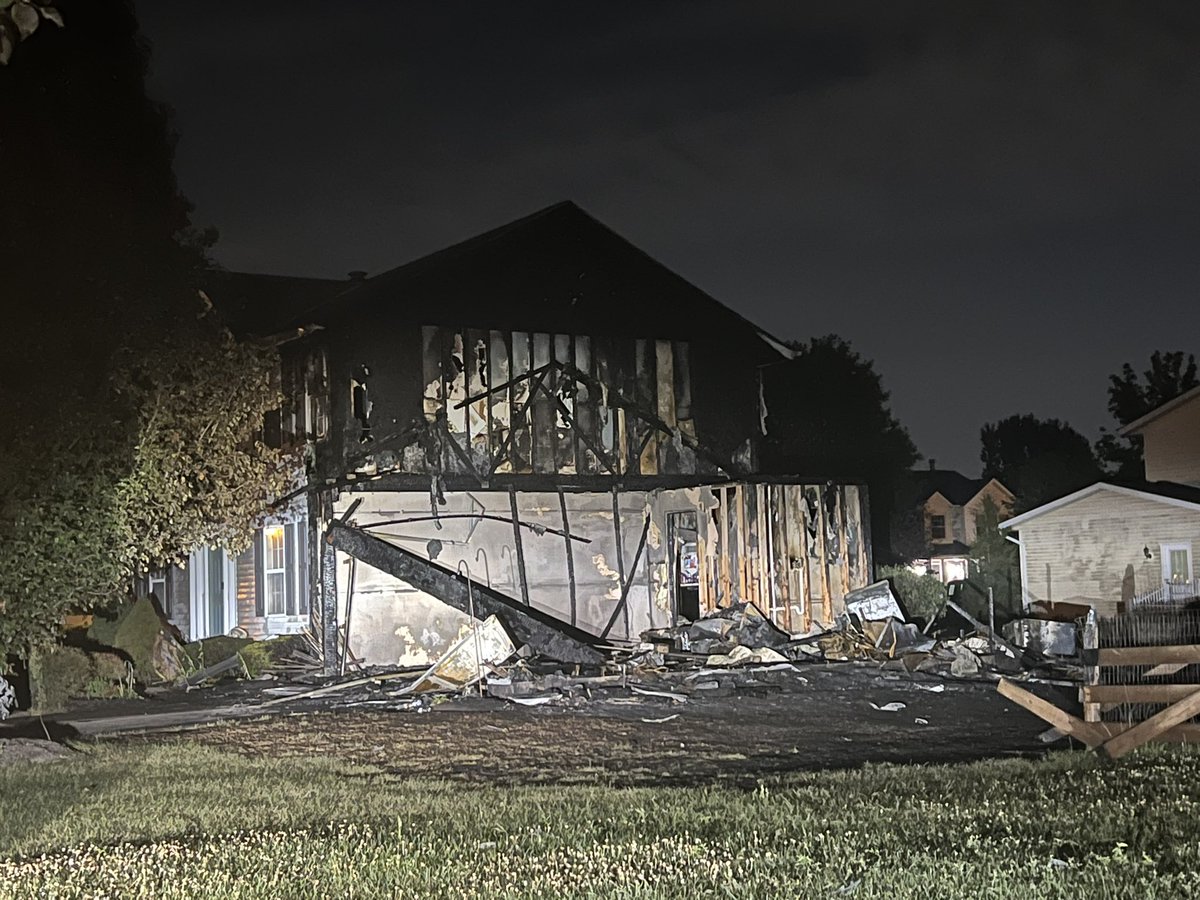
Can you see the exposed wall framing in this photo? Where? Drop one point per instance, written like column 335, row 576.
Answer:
column 539, row 403
column 608, row 562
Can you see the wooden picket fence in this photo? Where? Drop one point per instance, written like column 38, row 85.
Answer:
column 1141, row 682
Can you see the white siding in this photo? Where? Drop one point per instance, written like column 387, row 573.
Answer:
column 1082, row 552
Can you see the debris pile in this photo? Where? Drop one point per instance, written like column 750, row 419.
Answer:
column 719, row 633
column 875, row 628
column 736, row 650
column 732, row 650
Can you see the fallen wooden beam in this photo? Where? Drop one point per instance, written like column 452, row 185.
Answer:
column 1085, row 732
column 1164, row 669
column 1187, row 733
column 410, row 672
column 544, row 633
column 1156, row 725
column 1149, row 656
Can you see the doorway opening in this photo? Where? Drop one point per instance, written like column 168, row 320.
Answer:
column 685, row 564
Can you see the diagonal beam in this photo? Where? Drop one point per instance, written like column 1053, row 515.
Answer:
column 619, row 400
column 513, row 419
column 571, row 420
column 532, row 373
column 1153, row 727
column 637, row 557
column 1082, row 731
column 544, row 633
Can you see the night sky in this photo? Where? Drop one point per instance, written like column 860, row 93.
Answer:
column 997, row 208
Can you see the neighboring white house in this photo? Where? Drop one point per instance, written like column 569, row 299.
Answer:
column 1132, row 543
column 1109, row 543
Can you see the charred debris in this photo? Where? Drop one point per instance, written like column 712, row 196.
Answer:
column 733, row 651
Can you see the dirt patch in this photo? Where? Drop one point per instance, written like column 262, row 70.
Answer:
column 17, row 750
column 836, row 717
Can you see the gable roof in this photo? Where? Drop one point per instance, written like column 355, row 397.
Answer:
column 1138, row 424
column 1166, row 492
column 957, row 488
column 558, row 270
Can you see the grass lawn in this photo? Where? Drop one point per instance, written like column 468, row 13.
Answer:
column 189, row 821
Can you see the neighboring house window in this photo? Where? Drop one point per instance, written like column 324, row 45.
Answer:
column 937, row 528
column 275, row 569
column 281, row 586
column 1177, row 563
column 954, row 570
column 156, row 584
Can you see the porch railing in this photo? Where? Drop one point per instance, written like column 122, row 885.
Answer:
column 1168, row 595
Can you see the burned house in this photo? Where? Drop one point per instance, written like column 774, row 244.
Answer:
column 545, row 423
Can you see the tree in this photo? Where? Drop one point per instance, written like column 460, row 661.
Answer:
column 1037, row 459
column 1130, row 397
column 994, row 561
column 828, row 414
column 130, row 412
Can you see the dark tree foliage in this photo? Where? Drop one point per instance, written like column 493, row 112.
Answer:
column 129, row 414
column 1131, row 396
column 91, row 217
column 828, row 415
column 1037, row 459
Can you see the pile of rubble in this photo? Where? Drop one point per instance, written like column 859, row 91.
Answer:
column 732, row 649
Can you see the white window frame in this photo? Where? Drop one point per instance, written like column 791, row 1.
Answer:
column 1165, row 551
column 268, row 572
column 285, row 623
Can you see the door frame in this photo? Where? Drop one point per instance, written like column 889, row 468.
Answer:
column 198, row 589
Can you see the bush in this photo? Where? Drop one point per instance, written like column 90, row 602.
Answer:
column 922, row 596
column 64, row 673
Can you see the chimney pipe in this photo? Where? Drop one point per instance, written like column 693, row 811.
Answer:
column 357, row 275
column 932, row 464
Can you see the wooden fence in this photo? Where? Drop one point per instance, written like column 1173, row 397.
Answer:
column 1141, row 682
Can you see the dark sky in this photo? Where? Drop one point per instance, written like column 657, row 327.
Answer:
column 999, row 208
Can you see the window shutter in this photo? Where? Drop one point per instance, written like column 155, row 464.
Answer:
column 260, row 605
column 302, row 566
column 289, row 568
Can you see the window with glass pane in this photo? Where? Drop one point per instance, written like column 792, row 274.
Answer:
column 937, row 527
column 274, row 570
column 1179, row 566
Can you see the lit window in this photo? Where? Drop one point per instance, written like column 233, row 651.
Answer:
column 1179, row 565
column 275, row 570
column 937, row 528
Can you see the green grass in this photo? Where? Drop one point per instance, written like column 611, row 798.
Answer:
column 185, row 821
